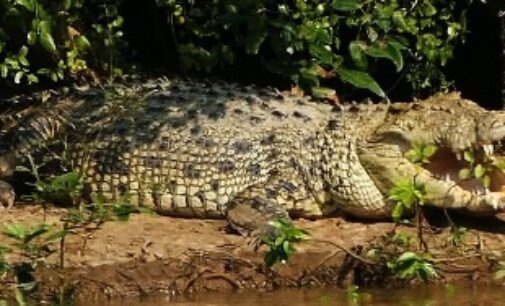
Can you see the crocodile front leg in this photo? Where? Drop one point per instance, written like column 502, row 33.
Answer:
column 7, row 195
column 280, row 197
column 387, row 166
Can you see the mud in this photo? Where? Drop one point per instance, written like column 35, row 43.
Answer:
column 152, row 254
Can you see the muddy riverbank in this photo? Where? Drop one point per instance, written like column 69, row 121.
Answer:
column 157, row 254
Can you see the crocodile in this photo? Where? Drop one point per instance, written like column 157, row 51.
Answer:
column 212, row 149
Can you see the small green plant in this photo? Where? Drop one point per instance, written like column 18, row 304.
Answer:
column 401, row 239
column 281, row 241
column 352, row 295
column 410, row 265
column 457, row 235
column 421, row 153
column 33, row 242
column 500, row 272
column 4, row 266
column 108, row 35
column 407, row 194
column 355, row 297
column 315, row 42
column 64, row 189
column 480, row 166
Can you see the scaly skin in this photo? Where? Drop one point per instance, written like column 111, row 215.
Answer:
column 209, row 149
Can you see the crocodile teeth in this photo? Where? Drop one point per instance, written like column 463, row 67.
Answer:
column 447, row 178
column 494, row 202
column 488, row 149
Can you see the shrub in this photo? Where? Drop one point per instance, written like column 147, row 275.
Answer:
column 308, row 41
column 51, row 39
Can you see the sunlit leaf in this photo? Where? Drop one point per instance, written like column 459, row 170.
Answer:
column 47, row 41
column 28, row 4
column 356, row 49
column 82, row 42
column 360, row 79
column 464, row 174
column 18, row 76
column 345, row 5
column 479, row 171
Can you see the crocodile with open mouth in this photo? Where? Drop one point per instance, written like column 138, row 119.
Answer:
column 251, row 154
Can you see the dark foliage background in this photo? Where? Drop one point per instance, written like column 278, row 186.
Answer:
column 393, row 48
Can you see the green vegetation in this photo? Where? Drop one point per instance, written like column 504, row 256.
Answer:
column 500, row 272
column 411, row 265
column 317, row 44
column 408, row 195
column 34, row 244
column 54, row 40
column 309, row 41
column 479, row 166
column 355, row 297
column 281, row 241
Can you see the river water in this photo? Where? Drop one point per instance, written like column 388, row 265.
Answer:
column 439, row 295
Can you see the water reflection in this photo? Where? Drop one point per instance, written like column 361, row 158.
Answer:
column 440, row 295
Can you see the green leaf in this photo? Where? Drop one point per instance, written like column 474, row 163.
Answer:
column 82, row 42
column 4, row 70
column 28, row 4
column 322, row 92
column 428, row 9
column 16, row 231
column 23, row 61
column 286, row 246
column 324, row 54
column 67, row 4
column 499, row 163
column 345, row 5
column 486, row 181
column 500, row 274
column 118, row 22
column 479, row 171
column 57, row 235
column 44, row 26
column 23, row 51
column 270, row 259
column 37, row 231
column 468, row 156
column 18, row 76
column 20, row 298
column 397, row 212
column 407, row 256
column 399, row 20
column 32, row 78
column 31, row 38
column 464, row 174
column 429, row 150
column 356, row 50
column 47, row 41
column 360, row 79
column 387, row 51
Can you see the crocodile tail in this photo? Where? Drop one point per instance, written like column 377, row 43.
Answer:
column 31, row 133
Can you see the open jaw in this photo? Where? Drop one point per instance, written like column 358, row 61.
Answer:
column 480, row 170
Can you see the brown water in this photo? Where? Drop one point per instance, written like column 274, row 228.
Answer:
column 414, row 296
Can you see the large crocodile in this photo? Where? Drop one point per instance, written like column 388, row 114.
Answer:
column 213, row 149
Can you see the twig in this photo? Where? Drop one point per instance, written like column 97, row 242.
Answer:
column 233, row 282
column 436, row 260
column 346, row 250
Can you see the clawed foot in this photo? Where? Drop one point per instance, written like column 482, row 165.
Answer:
column 490, row 203
column 7, row 195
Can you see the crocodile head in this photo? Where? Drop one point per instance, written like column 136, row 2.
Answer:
column 447, row 121
column 469, row 152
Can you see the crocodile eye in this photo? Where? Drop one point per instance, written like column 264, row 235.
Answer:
column 395, row 136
